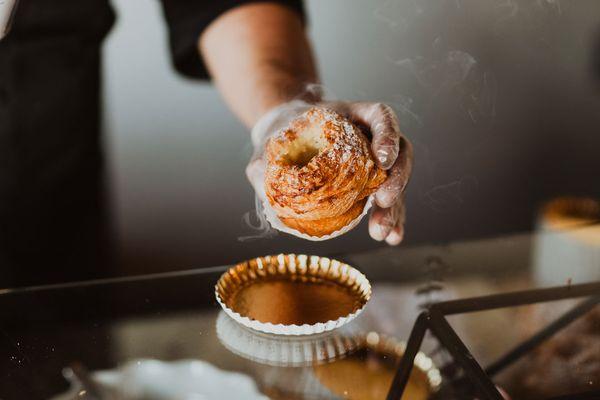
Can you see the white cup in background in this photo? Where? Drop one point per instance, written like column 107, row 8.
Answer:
column 567, row 246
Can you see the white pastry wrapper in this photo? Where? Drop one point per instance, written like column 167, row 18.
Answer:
column 291, row 266
column 276, row 223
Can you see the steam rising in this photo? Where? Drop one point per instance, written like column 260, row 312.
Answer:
column 551, row 5
column 403, row 105
column 258, row 223
column 442, row 73
column 398, row 15
column 441, row 197
column 456, row 73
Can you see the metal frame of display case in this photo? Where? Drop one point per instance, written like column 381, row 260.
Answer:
column 433, row 319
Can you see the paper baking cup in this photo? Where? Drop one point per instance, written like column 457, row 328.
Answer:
column 293, row 294
column 284, row 351
column 276, row 223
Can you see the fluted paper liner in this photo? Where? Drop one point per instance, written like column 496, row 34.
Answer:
column 293, row 294
column 276, row 223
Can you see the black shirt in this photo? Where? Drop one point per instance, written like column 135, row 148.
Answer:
column 52, row 219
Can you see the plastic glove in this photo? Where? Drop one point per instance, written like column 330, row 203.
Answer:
column 392, row 151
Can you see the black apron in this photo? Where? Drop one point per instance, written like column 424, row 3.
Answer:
column 52, row 219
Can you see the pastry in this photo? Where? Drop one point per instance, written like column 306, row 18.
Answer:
column 320, row 172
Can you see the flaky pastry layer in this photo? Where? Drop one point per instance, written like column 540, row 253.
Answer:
column 319, row 172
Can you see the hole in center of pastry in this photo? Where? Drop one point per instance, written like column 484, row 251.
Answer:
column 307, row 145
column 300, row 154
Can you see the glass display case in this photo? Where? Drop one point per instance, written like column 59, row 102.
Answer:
column 165, row 337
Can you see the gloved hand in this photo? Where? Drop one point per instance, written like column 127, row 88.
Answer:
column 392, row 151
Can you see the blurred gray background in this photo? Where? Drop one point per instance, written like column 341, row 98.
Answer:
column 500, row 98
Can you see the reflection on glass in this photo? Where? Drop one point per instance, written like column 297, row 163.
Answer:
column 147, row 379
column 367, row 373
column 348, row 363
column 286, row 351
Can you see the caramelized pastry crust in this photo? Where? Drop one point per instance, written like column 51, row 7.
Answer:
column 320, row 171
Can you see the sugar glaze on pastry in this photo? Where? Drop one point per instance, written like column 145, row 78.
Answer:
column 319, row 173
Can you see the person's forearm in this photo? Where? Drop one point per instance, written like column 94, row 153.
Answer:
column 259, row 57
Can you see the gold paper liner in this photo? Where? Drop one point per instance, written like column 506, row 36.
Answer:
column 368, row 372
column 292, row 294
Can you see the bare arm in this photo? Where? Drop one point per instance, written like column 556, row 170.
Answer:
column 259, row 57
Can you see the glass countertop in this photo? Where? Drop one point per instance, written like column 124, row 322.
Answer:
column 170, row 326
